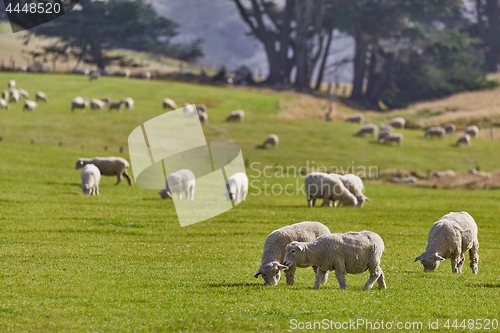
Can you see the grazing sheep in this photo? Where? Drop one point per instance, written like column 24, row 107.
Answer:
column 129, row 103
column 480, row 173
column 145, row 75
column 464, row 139
column 91, row 176
column 367, row 129
column 12, row 84
column 355, row 185
column 125, row 73
column 441, row 174
column 274, row 250
column 357, row 119
column 383, row 135
column 15, row 96
column 23, row 93
column 40, row 96
column 109, row 166
column 237, row 187
column 181, row 181
column 435, row 131
column 97, row 104
column 203, row 116
column 4, row 104
column 271, row 140
column 189, row 110
column 404, row 180
column 29, row 105
column 472, row 130
column 238, row 115
column 79, row 103
column 394, row 137
column 116, row 105
column 451, row 237
column 201, row 108
column 385, row 128
column 168, row 104
column 329, row 187
column 94, row 75
column 106, row 100
column 398, row 122
column 450, row 128
column 5, row 94
column 82, row 71
column 349, row 253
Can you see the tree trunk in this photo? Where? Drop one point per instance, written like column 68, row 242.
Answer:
column 359, row 65
column 492, row 38
column 321, row 69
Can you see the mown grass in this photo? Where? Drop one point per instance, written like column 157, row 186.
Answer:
column 121, row 262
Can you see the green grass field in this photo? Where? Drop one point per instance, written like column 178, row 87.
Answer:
column 120, row 262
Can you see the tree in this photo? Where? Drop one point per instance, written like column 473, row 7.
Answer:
column 487, row 28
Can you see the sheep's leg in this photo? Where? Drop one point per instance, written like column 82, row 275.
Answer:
column 129, row 179
column 325, row 277
column 320, row 275
column 460, row 262
column 191, row 193
column 381, row 280
column 375, row 274
column 340, row 273
column 119, row 178
column 455, row 261
column 326, row 200
column 290, row 274
column 474, row 257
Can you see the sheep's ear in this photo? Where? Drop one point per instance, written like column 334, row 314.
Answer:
column 417, row 259
column 438, row 257
column 300, row 247
column 257, row 274
column 366, row 198
column 283, row 267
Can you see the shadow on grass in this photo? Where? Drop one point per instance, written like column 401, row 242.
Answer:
column 483, row 285
column 235, row 285
column 64, row 184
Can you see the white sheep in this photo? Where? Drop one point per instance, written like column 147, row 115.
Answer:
column 237, row 187
column 4, row 104
column 480, row 173
column 367, row 129
column 357, row 119
column 108, row 166
column 355, row 185
column 40, row 96
column 97, row 104
column 329, row 187
column 450, row 128
column 15, row 95
column 203, row 116
column 129, row 103
column 201, row 108
column 145, row 75
column 29, row 105
column 393, row 137
column 82, row 71
column 441, row 174
column 435, row 131
column 5, row 94
column 79, row 103
column 472, row 130
column 168, row 103
column 464, row 139
column 238, row 115
column 398, row 122
column 385, row 128
column 12, row 84
column 450, row 237
column 405, row 180
column 94, row 75
column 271, row 140
column 125, row 73
column 181, row 181
column 115, row 105
column 383, row 135
column 23, row 93
column 274, row 250
column 349, row 253
column 91, row 176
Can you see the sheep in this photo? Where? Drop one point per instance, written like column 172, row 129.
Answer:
column 394, row 137
column 238, row 115
column 329, row 187
column 404, row 180
column 145, row 75
column 441, row 174
column 451, row 237
column 398, row 122
column 115, row 105
column 237, row 187
column 480, row 173
column 15, row 96
column 125, row 73
column 79, row 103
column 355, row 185
column 40, row 96
column 108, row 166
column 94, row 75
column 203, row 116
column 274, row 250
column 357, row 119
column 349, row 253
column 91, row 176
column 201, row 108
column 97, row 104
column 367, row 129
column 182, row 180
column 472, row 130
column 129, row 103
column 385, row 128
column 82, row 71
column 4, row 104
column 383, row 135
column 271, row 140
column 5, row 94
column 23, row 93
column 106, row 100
column 189, row 110
column 435, row 131
column 168, row 103
column 12, row 84
column 29, row 105
column 450, row 128
column 464, row 139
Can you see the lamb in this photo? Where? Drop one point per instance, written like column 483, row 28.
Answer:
column 349, row 253
column 203, row 116
column 435, row 131
column 91, row 176
column 441, row 174
column 394, row 137
column 40, row 96
column 480, row 173
column 4, row 104
column 472, row 130
column 464, row 139
column 12, row 84
column 168, row 103
column 329, row 187
column 238, row 115
column 398, row 122
column 178, row 182
column 23, row 93
column 237, row 187
column 79, row 103
column 129, row 103
column 385, row 128
column 355, row 185
column 367, row 129
column 108, row 166
column 357, row 119
column 97, row 104
column 404, row 180
column 145, row 75
column 450, row 128
column 116, row 105
column 271, row 140
column 383, row 135
column 451, row 237
column 30, row 105
column 274, row 250
column 15, row 96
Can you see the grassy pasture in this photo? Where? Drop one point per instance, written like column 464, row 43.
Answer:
column 121, row 262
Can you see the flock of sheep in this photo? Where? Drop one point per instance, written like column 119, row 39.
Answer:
column 14, row 95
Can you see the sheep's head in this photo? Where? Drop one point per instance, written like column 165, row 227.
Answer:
column 165, row 194
column 292, row 253
column 271, row 272
column 85, row 189
column 430, row 261
column 79, row 164
column 350, row 200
